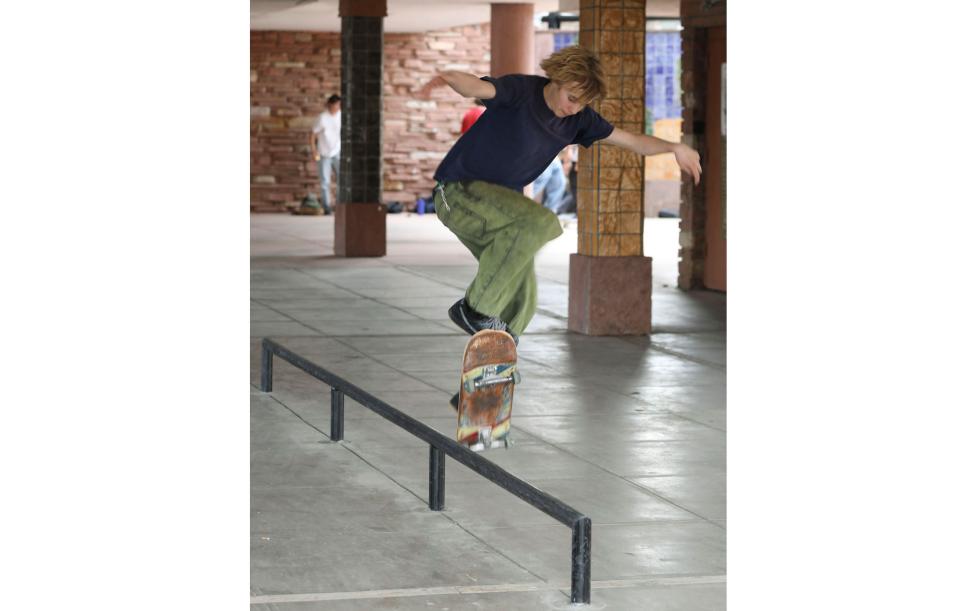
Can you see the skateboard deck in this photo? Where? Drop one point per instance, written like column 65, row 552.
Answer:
column 488, row 383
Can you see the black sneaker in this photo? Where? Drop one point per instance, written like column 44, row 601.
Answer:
column 471, row 322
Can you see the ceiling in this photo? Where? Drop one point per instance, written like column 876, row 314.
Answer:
column 407, row 15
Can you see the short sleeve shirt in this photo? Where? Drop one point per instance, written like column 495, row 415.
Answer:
column 518, row 135
column 327, row 132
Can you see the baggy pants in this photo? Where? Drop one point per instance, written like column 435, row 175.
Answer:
column 504, row 230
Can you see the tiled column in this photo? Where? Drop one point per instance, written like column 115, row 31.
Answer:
column 361, row 217
column 513, row 39
column 610, row 279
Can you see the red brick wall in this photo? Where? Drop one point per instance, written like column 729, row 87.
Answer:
column 418, row 133
column 292, row 74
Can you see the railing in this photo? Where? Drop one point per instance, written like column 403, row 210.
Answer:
column 441, row 446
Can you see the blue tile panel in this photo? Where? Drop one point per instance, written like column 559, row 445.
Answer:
column 663, row 93
column 563, row 39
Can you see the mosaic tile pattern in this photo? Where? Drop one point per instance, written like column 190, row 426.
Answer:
column 361, row 169
column 663, row 92
column 564, row 39
column 610, row 181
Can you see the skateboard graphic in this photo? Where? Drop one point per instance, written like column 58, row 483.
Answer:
column 488, row 382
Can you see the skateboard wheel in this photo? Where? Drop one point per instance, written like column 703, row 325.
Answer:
column 485, row 437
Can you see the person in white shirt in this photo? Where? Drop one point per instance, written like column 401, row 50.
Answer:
column 325, row 147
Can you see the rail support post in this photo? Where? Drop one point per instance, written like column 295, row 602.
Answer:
column 336, row 421
column 580, row 570
column 265, row 366
column 435, row 484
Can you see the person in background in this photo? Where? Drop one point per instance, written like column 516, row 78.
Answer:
column 325, row 147
column 472, row 115
column 569, row 204
column 551, row 185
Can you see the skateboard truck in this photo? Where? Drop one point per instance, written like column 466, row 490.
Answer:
column 491, row 374
column 485, row 441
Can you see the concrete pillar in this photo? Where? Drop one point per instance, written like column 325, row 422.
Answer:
column 513, row 45
column 610, row 279
column 361, row 217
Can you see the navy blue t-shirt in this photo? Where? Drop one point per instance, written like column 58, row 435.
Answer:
column 518, row 135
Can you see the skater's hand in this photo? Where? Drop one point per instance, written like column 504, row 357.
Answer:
column 688, row 160
column 425, row 91
column 686, row 156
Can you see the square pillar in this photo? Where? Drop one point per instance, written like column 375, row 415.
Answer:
column 361, row 221
column 610, row 278
column 361, row 230
column 610, row 295
column 692, row 207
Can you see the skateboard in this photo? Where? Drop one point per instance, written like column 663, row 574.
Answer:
column 488, row 383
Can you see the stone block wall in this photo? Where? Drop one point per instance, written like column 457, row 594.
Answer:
column 292, row 75
column 418, row 133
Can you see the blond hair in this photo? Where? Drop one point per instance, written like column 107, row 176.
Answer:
column 578, row 66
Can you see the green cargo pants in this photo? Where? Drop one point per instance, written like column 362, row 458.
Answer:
column 504, row 230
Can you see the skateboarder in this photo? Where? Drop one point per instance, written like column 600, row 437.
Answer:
column 479, row 191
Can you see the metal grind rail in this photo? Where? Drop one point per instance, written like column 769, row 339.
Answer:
column 440, row 446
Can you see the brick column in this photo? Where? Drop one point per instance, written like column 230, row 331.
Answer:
column 697, row 17
column 361, row 217
column 692, row 209
column 610, row 279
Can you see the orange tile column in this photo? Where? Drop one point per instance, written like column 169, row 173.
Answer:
column 610, row 279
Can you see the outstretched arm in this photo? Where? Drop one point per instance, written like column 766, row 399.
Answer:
column 466, row 84
column 686, row 156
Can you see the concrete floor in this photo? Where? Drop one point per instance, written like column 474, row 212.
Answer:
column 629, row 431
